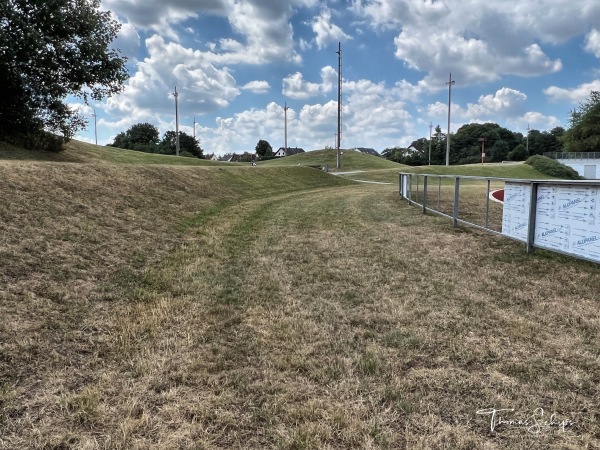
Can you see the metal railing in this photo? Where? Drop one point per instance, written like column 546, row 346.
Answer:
column 466, row 200
column 443, row 195
column 572, row 155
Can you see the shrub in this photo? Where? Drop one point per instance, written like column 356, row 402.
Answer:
column 38, row 140
column 549, row 166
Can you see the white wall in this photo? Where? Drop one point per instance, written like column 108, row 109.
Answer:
column 579, row 166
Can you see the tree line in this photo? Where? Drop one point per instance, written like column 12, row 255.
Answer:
column 145, row 137
column 501, row 144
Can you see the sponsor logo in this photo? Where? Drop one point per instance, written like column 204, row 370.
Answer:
column 548, row 232
column 587, row 240
column 571, row 203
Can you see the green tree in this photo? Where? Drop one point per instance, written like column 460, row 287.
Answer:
column 141, row 136
column 584, row 132
column 264, row 150
column 50, row 49
column 187, row 144
column 519, row 153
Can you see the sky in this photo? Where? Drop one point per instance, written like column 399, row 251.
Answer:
column 238, row 63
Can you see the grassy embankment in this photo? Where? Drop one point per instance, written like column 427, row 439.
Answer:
column 190, row 307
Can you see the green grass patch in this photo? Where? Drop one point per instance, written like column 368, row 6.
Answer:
column 351, row 160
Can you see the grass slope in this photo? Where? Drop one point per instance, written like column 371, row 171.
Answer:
column 156, row 307
column 487, row 170
column 351, row 160
column 77, row 151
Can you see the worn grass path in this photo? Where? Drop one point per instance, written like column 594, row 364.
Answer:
column 331, row 318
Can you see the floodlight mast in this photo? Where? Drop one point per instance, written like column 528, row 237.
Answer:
column 430, row 126
column 339, row 122
column 176, row 122
column 285, row 110
column 449, row 83
column 95, row 126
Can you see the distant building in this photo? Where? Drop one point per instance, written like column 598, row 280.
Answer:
column 230, row 157
column 212, row 157
column 368, row 151
column 290, row 151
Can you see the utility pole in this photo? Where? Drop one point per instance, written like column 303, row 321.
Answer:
column 176, row 122
column 339, row 122
column 430, row 126
column 449, row 83
column 285, row 109
column 95, row 126
column 195, row 128
column 527, row 139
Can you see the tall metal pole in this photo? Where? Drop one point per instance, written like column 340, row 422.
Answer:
column 430, row 126
column 285, row 109
column 176, row 122
column 339, row 123
column 194, row 128
column 449, row 83
column 95, row 126
column 528, row 139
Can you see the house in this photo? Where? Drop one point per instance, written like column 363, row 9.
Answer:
column 290, row 151
column 211, row 157
column 230, row 157
column 368, row 151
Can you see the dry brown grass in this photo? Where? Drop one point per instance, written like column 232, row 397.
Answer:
column 326, row 318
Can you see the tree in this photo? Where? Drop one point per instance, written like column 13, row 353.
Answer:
column 50, row 49
column 264, row 150
column 584, row 133
column 519, row 153
column 141, row 136
column 187, row 144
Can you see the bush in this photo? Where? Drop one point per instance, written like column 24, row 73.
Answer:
column 549, row 166
column 38, row 140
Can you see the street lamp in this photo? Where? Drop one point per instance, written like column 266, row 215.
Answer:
column 449, row 83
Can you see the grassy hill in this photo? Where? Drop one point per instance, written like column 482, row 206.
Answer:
column 154, row 306
column 77, row 151
column 351, row 160
column 497, row 170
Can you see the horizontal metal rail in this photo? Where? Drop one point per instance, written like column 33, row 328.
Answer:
column 418, row 192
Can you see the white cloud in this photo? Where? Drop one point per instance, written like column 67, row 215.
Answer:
column 572, row 95
column 201, row 86
column 477, row 42
column 294, row 86
column 257, row 87
column 326, row 32
column 592, row 42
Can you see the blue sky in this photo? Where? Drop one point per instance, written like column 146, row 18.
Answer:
column 236, row 63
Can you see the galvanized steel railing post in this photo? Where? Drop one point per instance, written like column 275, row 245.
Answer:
column 455, row 210
column 487, row 205
column 532, row 214
column 424, row 194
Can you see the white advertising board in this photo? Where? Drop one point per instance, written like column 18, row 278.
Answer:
column 567, row 220
column 515, row 214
